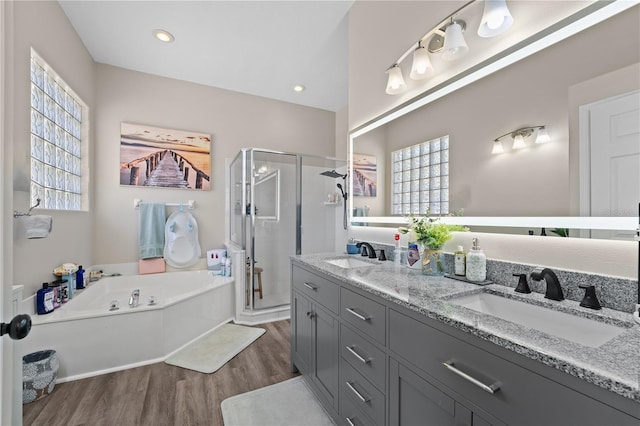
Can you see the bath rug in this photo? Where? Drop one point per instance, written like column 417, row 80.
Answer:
column 288, row 403
column 215, row 349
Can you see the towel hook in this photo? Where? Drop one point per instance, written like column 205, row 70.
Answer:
column 18, row 214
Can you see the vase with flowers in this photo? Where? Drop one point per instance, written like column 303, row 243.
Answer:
column 430, row 234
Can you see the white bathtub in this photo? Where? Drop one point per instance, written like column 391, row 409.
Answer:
column 90, row 339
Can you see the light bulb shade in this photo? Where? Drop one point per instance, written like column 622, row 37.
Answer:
column 542, row 136
column 421, row 67
column 454, row 44
column 395, row 83
column 497, row 147
column 496, row 18
column 518, row 141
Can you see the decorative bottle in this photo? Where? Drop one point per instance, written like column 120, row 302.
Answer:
column 80, row 278
column 459, row 262
column 476, row 263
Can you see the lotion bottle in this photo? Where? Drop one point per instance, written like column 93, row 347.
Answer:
column 476, row 263
column 459, row 262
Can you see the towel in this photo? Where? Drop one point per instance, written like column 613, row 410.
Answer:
column 151, row 230
column 37, row 226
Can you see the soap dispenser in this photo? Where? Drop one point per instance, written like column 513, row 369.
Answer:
column 476, row 263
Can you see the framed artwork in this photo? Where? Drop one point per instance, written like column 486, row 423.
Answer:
column 365, row 175
column 164, row 158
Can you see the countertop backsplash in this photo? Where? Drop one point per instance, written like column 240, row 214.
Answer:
column 616, row 293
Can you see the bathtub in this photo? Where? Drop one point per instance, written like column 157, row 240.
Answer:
column 90, row 339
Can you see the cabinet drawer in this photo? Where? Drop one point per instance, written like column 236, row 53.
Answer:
column 351, row 415
column 362, row 393
column 522, row 397
column 363, row 313
column 318, row 288
column 364, row 356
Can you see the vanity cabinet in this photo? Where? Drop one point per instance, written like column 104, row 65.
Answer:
column 374, row 362
column 315, row 336
column 414, row 401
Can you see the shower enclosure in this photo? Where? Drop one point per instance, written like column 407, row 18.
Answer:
column 281, row 205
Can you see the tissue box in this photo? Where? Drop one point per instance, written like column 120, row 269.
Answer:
column 151, row 266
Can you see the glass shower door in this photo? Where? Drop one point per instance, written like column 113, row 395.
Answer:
column 272, row 216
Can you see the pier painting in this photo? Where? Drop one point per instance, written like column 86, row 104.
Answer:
column 365, row 175
column 164, row 158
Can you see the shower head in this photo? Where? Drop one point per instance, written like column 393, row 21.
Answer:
column 333, row 174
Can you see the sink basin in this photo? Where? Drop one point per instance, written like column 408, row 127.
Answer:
column 577, row 329
column 349, row 262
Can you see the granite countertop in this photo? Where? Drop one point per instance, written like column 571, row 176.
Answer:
column 615, row 365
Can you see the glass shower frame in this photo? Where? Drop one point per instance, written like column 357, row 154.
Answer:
column 248, row 171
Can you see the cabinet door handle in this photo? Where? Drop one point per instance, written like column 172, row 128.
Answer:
column 492, row 388
column 358, row 394
column 357, row 315
column 357, row 355
column 310, row 286
column 351, row 423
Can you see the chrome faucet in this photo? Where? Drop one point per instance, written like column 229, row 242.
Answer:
column 135, row 298
column 371, row 252
column 554, row 291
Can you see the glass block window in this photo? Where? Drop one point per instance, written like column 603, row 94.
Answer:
column 56, row 140
column 420, row 176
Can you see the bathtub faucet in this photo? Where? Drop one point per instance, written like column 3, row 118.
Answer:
column 135, row 298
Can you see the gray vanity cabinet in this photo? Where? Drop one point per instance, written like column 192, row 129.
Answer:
column 374, row 362
column 415, row 401
column 315, row 333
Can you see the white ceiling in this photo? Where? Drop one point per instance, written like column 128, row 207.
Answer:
column 262, row 48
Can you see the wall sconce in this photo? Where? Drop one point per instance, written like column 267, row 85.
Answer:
column 446, row 39
column 519, row 137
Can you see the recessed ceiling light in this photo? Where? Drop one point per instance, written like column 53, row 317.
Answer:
column 164, row 36
column 299, row 88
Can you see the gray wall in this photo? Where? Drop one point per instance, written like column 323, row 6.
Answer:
column 44, row 26
column 107, row 233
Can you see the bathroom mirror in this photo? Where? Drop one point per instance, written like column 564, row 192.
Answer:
column 514, row 191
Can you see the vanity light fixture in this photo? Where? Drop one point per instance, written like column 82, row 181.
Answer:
column 164, row 36
column 497, row 147
column 421, row 67
column 519, row 137
column 446, row 38
column 454, row 44
column 496, row 18
column 395, row 83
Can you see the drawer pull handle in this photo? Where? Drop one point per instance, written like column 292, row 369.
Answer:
column 351, row 423
column 357, row 355
column 358, row 394
column 492, row 388
column 357, row 315
column 310, row 287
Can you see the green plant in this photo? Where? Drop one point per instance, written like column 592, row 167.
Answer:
column 430, row 232
column 562, row 232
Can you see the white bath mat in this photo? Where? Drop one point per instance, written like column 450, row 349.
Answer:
column 216, row 348
column 288, row 403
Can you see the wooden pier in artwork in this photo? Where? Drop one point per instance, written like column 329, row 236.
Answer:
column 165, row 168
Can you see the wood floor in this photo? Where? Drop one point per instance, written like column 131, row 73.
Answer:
column 161, row 394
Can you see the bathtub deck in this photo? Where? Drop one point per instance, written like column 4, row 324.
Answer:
column 161, row 394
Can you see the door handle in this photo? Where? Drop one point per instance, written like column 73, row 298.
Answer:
column 17, row 328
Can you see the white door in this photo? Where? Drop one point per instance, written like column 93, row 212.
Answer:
column 614, row 139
